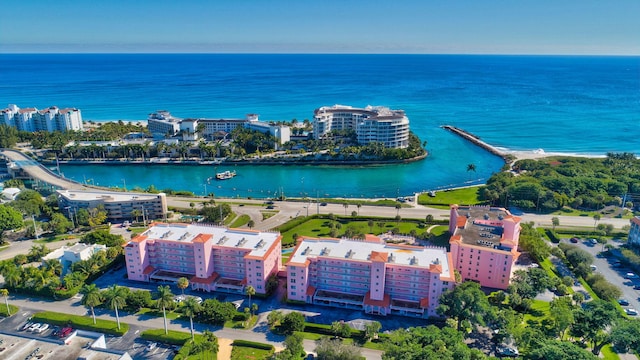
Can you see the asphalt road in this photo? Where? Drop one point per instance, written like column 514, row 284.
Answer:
column 259, row 333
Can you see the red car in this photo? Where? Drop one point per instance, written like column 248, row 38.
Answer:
column 64, row 332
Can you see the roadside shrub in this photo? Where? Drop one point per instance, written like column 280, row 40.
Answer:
column 172, row 338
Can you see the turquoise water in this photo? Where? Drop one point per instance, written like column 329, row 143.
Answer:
column 585, row 105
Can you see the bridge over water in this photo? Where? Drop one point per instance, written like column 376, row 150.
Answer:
column 22, row 166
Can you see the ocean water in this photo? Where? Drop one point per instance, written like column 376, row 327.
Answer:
column 581, row 105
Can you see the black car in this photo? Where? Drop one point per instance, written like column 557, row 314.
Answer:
column 636, row 287
column 623, row 302
column 574, row 240
column 323, row 204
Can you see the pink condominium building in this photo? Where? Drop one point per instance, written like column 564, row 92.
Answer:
column 369, row 275
column 484, row 244
column 211, row 257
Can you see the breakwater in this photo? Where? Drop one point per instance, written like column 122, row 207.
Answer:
column 474, row 139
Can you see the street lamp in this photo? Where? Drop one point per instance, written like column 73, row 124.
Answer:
column 124, row 182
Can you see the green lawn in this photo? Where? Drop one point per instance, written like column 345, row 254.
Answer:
column 538, row 311
column 50, row 239
column 241, row 324
column 245, row 352
column 321, row 228
column 240, row 221
column 465, row 196
column 3, row 309
column 609, row 354
column 171, row 315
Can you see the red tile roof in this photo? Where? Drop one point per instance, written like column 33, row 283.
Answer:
column 311, row 290
column 379, row 256
column 209, row 280
column 385, row 302
column 148, row 270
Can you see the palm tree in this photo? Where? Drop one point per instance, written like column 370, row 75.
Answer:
column 54, row 266
column 359, row 206
column 345, row 208
column 398, row 206
column 190, row 308
column 555, row 221
column 136, row 213
column 210, row 341
column 12, row 275
column 596, row 218
column 116, row 298
column 250, row 291
column 164, row 299
column 91, row 297
column 183, row 283
column 5, row 293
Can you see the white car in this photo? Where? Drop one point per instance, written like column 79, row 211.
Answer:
column 41, row 329
column 33, row 327
column 631, row 312
column 151, row 346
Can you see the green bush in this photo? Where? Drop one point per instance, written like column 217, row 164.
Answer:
column 82, row 322
column 252, row 344
column 552, row 236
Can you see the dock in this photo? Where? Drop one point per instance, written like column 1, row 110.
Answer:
column 474, row 139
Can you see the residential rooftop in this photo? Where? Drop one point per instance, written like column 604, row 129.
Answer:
column 105, row 196
column 257, row 242
column 364, row 250
column 483, row 225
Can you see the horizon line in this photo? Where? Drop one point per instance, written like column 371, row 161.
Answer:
column 314, row 53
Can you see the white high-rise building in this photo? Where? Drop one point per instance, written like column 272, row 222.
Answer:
column 50, row 119
column 371, row 124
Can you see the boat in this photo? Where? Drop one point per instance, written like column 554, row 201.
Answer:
column 226, row 175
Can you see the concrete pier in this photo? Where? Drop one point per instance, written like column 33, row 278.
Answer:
column 476, row 141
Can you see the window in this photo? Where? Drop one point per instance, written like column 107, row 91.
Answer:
column 293, row 287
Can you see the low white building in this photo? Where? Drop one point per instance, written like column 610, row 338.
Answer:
column 10, row 193
column 70, row 255
column 118, row 205
column 634, row 232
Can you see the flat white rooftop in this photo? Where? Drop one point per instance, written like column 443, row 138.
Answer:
column 105, row 196
column 361, row 250
column 256, row 242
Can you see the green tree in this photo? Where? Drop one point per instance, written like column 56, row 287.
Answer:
column 59, row 224
column 250, row 291
column 53, row 266
column 115, row 298
column 555, row 221
column 559, row 350
column 596, row 218
column 327, row 349
column 428, row 342
column 103, row 237
column 294, row 345
column 341, row 329
column 91, row 297
column 466, row 303
column 164, row 300
column 371, row 330
column 251, row 224
column 183, row 283
column 293, row 321
column 10, row 219
column 274, row 318
column 591, row 321
column 625, row 336
column 561, row 313
column 5, row 293
column 190, row 307
column 8, row 136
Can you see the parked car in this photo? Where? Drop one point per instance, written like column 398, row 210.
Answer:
column 151, row 346
column 574, row 240
column 26, row 326
column 33, row 327
column 64, row 332
column 636, row 287
column 323, row 204
column 593, row 241
column 630, row 275
column 631, row 312
column 507, row 351
column 623, row 302
column 593, row 267
column 41, row 329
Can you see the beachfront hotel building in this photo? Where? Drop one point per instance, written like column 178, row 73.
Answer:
column 371, row 124
column 484, row 244
column 369, row 275
column 634, row 231
column 212, row 258
column 50, row 119
column 118, row 205
column 162, row 123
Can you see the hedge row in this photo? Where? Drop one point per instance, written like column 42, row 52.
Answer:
column 252, row 344
column 82, row 322
column 173, row 337
column 552, row 236
column 324, row 329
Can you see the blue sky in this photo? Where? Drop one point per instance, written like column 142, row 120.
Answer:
column 328, row 26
